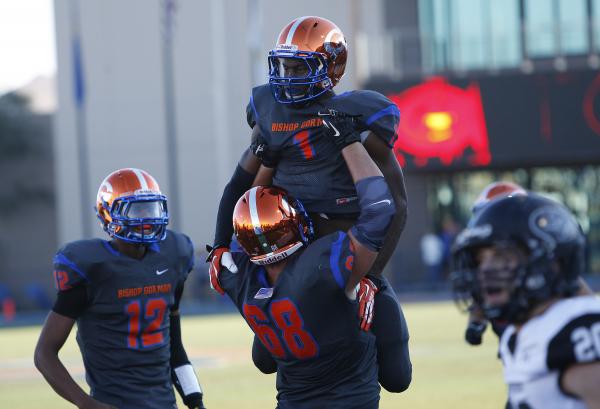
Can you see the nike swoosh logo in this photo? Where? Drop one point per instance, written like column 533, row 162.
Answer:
column 386, row 201
column 162, row 271
column 337, row 133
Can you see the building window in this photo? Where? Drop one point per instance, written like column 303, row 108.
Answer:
column 541, row 30
column 573, row 26
column 596, row 24
column 470, row 34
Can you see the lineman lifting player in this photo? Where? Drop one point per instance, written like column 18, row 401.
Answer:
column 301, row 155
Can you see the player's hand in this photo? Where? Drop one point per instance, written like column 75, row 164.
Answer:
column 477, row 325
column 219, row 257
column 340, row 127
column 366, row 302
column 474, row 332
column 194, row 401
column 269, row 157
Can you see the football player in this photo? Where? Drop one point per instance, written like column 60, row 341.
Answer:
column 520, row 258
column 300, row 155
column 477, row 321
column 124, row 295
column 300, row 296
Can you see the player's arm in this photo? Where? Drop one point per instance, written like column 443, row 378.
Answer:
column 55, row 332
column 240, row 181
column 182, row 372
column 581, row 380
column 375, row 201
column 387, row 163
column 377, row 210
column 264, row 177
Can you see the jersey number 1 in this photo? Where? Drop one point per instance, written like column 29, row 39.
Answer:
column 153, row 315
column 287, row 318
column 302, row 139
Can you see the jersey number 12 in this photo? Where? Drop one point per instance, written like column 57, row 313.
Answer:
column 153, row 315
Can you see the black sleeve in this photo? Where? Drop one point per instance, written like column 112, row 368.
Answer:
column 178, row 355
column 71, row 303
column 178, row 294
column 250, row 117
column 237, row 186
column 575, row 343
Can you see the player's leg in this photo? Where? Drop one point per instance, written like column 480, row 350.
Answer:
column 391, row 331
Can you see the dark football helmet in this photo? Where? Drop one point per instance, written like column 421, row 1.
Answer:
column 270, row 225
column 543, row 231
column 497, row 190
column 309, row 59
column 131, row 207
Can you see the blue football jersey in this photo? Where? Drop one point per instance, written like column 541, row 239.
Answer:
column 123, row 333
column 311, row 166
column 309, row 326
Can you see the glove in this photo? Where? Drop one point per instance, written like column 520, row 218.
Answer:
column 366, row 302
column 268, row 157
column 218, row 257
column 193, row 401
column 340, row 127
column 474, row 332
column 477, row 324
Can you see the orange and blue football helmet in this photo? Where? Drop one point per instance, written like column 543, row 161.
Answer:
column 131, row 207
column 270, row 225
column 308, row 60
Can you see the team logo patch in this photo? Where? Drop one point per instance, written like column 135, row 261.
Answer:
column 264, row 293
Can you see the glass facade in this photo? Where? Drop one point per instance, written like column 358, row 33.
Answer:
column 595, row 24
column 572, row 20
column 486, row 34
column 452, row 196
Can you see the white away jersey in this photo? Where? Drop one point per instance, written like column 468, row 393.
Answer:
column 534, row 358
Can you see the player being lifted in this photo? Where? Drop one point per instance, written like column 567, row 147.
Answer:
column 124, row 295
column 299, row 296
column 520, row 259
column 302, row 156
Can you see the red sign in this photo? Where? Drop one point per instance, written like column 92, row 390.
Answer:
column 440, row 120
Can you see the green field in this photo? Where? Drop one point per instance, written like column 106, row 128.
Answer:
column 447, row 373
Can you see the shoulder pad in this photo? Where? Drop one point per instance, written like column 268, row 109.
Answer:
column 183, row 249
column 578, row 341
column 71, row 263
column 379, row 114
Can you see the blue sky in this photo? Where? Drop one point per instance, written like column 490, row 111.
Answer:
column 27, row 41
